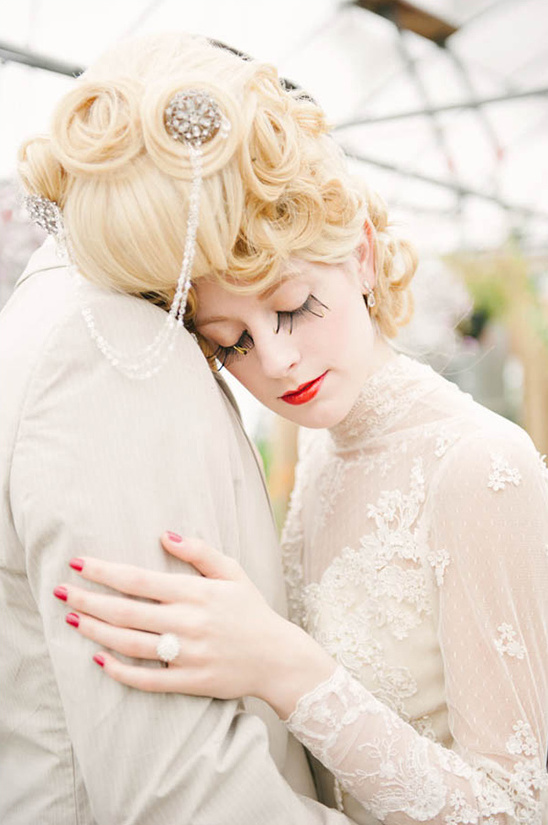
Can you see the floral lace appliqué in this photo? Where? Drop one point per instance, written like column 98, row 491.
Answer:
column 444, row 441
column 508, row 642
column 395, row 515
column 461, row 812
column 522, row 741
column 424, row 726
column 502, row 474
column 529, row 775
column 331, row 483
column 439, row 560
column 342, row 617
column 380, row 584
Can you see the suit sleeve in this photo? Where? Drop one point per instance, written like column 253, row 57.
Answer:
column 102, row 465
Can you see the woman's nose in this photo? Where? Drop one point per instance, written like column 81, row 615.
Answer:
column 278, row 353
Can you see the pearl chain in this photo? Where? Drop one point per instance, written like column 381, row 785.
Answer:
column 193, row 118
column 150, row 360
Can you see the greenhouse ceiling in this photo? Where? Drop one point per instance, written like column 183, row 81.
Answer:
column 441, row 106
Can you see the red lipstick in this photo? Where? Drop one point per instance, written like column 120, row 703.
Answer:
column 304, row 393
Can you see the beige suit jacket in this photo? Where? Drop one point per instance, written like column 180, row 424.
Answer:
column 94, row 463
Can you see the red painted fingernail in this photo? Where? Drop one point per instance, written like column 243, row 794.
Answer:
column 61, row 593
column 99, row 659
column 77, row 564
column 174, row 537
column 73, row 619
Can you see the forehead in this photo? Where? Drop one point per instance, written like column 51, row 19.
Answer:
column 294, row 269
column 211, row 292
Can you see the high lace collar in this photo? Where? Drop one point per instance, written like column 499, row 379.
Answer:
column 386, row 397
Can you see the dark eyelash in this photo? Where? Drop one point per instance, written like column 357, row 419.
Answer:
column 225, row 355
column 312, row 305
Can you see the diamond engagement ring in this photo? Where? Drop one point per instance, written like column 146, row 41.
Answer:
column 168, row 647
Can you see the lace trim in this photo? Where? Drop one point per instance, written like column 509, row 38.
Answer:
column 393, row 772
column 399, row 782
column 385, row 398
column 292, row 543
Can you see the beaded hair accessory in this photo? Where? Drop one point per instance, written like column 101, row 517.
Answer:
column 192, row 117
column 45, row 214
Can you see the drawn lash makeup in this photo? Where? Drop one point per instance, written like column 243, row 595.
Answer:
column 244, row 344
column 312, row 305
column 225, row 355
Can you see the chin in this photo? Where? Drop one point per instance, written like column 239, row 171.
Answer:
column 318, row 417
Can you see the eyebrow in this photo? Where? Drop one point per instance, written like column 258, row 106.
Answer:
column 216, row 319
column 272, row 289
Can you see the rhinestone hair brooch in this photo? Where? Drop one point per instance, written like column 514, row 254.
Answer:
column 45, row 214
column 193, row 118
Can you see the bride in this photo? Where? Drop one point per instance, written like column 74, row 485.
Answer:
column 416, row 546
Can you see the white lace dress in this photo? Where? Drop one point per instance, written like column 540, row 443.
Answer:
column 416, row 553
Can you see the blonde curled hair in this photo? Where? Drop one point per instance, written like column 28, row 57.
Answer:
column 277, row 187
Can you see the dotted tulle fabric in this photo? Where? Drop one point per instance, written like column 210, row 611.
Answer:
column 416, row 553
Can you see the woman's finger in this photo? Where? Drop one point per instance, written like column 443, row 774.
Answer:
column 153, row 680
column 136, row 581
column 207, row 560
column 118, row 610
column 136, row 644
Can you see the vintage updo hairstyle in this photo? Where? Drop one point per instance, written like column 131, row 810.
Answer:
column 276, row 187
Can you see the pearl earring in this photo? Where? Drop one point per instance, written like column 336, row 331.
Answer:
column 370, row 299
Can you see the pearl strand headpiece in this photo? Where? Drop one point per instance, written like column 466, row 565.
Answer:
column 192, row 117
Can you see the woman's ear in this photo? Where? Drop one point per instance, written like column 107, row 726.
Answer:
column 366, row 257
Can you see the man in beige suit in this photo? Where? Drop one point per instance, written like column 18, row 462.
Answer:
column 95, row 463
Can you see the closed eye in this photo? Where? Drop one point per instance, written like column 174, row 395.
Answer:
column 225, row 355
column 312, row 306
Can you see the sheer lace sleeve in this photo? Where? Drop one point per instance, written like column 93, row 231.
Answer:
column 292, row 534
column 489, row 533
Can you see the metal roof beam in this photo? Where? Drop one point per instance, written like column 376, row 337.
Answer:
column 13, row 54
column 458, row 188
column 409, row 16
column 435, row 125
column 450, row 107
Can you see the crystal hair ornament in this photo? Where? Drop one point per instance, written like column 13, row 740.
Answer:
column 193, row 118
column 47, row 215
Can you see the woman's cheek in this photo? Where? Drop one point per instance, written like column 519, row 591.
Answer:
column 249, row 376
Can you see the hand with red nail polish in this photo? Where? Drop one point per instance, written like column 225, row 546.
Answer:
column 61, row 593
column 232, row 643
